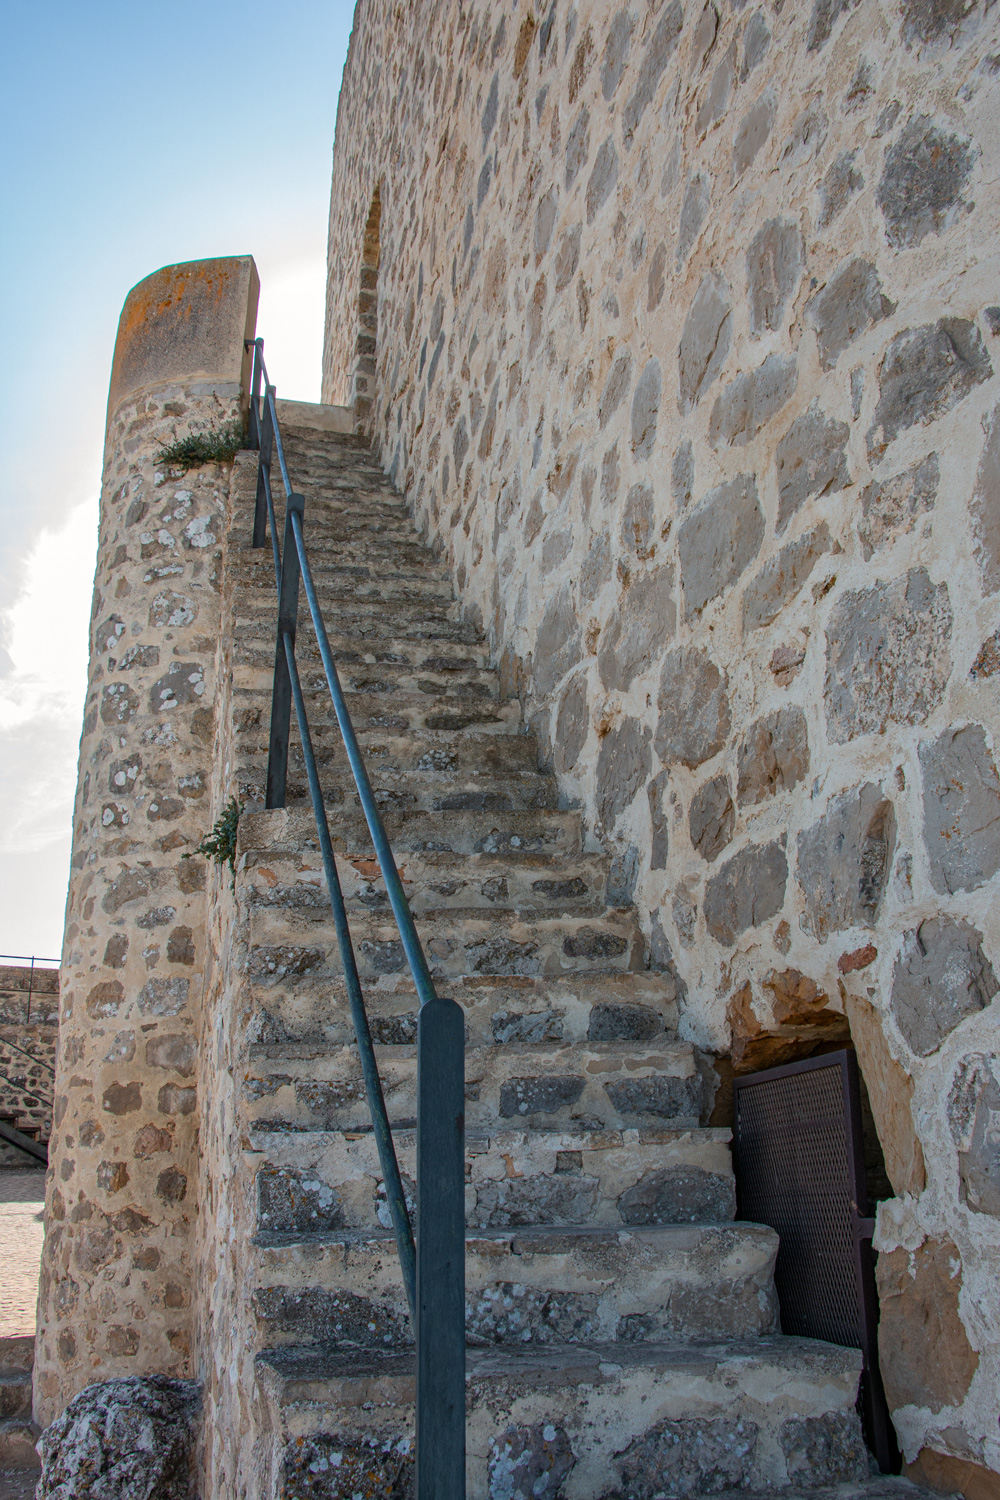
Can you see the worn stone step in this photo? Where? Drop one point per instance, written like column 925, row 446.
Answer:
column 596, row 1086
column 463, row 831
column 423, row 752
column 515, row 1178
column 457, row 681
column 363, row 620
column 17, row 1353
column 256, row 623
column 15, row 1394
column 311, row 1009
column 522, row 791
column 454, row 941
column 18, row 1436
column 514, row 880
column 538, row 1286
column 623, row 1419
column 397, row 712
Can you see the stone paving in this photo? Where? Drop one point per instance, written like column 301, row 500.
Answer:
column 22, row 1196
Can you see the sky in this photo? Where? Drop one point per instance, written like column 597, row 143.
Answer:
column 135, row 136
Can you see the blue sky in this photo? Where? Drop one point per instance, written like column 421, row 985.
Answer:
column 135, row 136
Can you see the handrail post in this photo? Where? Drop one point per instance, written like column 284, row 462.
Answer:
column 281, row 693
column 253, row 426
column 263, row 478
column 440, row 1251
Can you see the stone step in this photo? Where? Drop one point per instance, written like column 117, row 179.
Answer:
column 18, row 1436
column 643, row 1419
column 498, row 795
column 463, row 831
column 361, row 620
column 537, row 1286
column 256, row 570
column 516, row 1178
column 513, row 881
column 17, row 1352
column 472, row 683
column 596, row 1086
column 15, row 1394
column 442, row 655
column 422, row 752
column 397, row 712
column 311, row 1009
column 455, row 942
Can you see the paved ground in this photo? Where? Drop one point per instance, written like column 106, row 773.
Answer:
column 22, row 1193
column 17, row 1486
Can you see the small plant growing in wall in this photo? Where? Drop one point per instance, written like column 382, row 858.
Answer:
column 221, row 445
column 220, row 844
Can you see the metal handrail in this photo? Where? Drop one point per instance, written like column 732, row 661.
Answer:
column 433, row 1268
column 25, row 1052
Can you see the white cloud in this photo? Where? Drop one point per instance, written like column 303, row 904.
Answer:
column 42, row 690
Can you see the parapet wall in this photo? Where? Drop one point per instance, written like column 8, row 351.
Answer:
column 686, row 358
column 29, row 1024
column 118, row 1265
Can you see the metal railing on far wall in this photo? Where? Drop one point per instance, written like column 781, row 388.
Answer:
column 433, row 1261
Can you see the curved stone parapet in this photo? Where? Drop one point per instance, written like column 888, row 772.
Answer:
column 115, row 1293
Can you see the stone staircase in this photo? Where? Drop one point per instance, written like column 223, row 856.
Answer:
column 19, row 1464
column 622, row 1327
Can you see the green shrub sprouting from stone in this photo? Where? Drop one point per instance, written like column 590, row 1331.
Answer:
column 219, row 446
column 220, row 844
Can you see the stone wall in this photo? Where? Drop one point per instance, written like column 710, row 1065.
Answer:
column 117, row 1268
column 687, row 335
column 29, row 1023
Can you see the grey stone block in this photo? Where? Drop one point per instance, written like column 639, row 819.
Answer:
column 844, row 860
column 748, row 890
column 924, row 373
column 888, row 655
column 811, row 460
column 774, row 265
column 941, row 976
column 712, row 818
column 718, row 541
column 678, row 1195
column 695, row 716
column 750, row 401
column 961, row 809
column 926, row 173
column 850, row 303
column 773, row 756
column 704, row 340
column 690, row 1457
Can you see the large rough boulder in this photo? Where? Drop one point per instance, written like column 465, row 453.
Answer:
column 128, row 1439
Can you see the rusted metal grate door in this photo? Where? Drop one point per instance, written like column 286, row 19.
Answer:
column 799, row 1159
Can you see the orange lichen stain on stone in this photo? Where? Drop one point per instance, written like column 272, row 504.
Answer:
column 171, row 289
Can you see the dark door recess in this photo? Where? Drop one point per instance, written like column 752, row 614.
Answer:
column 799, row 1157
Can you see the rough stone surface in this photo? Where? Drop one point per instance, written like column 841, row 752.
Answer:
column 678, row 1195
column 689, row 1457
column 644, row 622
column 890, row 1093
column 891, row 507
column 712, row 818
column 748, row 890
column 326, row 1467
column 888, row 655
column 986, row 507
column 704, row 341
column 623, row 767
column 844, row 861
column 126, row 1439
column 774, row 265
column 941, row 976
column 824, row 1450
column 973, row 1110
column 924, row 1352
column 961, row 809
column 924, row 373
column 811, row 460
column 718, row 541
column 773, row 756
column 926, row 173
column 750, row 401
column 850, row 303
column 694, row 708
column 782, row 576
column 530, row 1463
